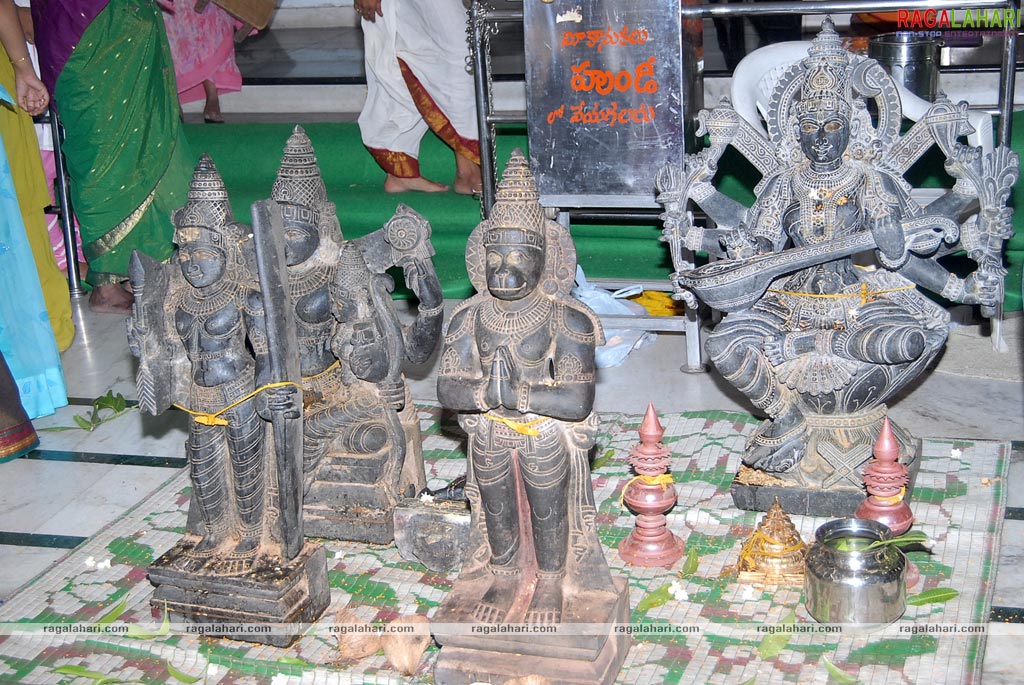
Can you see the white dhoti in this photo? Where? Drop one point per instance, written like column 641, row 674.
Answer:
column 416, row 79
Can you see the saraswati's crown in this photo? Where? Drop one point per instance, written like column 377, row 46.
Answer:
column 207, row 211
column 826, row 86
column 298, row 180
column 517, row 217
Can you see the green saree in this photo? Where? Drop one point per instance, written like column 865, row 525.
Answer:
column 126, row 154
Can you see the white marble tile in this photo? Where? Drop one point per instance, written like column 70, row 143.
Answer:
column 1015, row 476
column 1002, row 661
column 34, row 490
column 22, row 564
column 131, row 433
column 106, row 500
column 1010, row 576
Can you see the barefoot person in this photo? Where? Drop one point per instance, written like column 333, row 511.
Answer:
column 203, row 48
column 416, row 79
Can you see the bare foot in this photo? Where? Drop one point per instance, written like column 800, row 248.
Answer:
column 111, row 299
column 397, row 184
column 468, row 180
column 211, row 112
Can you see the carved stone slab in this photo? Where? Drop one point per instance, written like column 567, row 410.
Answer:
column 560, row 659
column 274, row 592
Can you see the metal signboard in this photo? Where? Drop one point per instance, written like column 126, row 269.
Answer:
column 611, row 90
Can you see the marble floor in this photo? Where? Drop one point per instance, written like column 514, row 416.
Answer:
column 79, row 482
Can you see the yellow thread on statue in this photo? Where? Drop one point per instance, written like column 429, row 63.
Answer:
column 864, row 293
column 663, row 479
column 213, row 418
column 521, row 427
column 332, row 367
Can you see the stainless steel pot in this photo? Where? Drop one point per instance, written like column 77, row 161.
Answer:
column 859, row 586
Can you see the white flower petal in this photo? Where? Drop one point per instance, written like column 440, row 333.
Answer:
column 956, row 452
column 90, row 562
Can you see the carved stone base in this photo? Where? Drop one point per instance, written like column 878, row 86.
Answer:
column 829, row 480
column 435, row 534
column 560, row 659
column 348, row 501
column 296, row 592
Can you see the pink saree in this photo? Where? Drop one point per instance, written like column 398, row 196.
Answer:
column 203, row 48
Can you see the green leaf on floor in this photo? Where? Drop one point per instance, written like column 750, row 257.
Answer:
column 113, row 614
column 182, row 676
column 116, row 405
column 936, row 595
column 602, row 460
column 655, row 599
column 691, row 564
column 837, row 674
column 772, row 645
column 294, row 662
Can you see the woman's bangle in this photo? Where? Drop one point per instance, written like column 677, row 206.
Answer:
column 19, row 60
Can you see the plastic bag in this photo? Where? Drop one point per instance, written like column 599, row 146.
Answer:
column 618, row 343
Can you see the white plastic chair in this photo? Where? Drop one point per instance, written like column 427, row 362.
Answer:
column 757, row 74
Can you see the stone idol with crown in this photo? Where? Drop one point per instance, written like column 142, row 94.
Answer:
column 361, row 449
column 214, row 335
column 823, row 279
column 517, row 367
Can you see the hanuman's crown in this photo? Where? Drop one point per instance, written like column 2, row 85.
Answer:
column 826, row 86
column 298, row 180
column 207, row 211
column 517, row 217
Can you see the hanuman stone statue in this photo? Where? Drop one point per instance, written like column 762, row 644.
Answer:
column 361, row 445
column 518, row 367
column 815, row 338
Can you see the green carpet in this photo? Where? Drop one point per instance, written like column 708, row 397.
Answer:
column 248, row 156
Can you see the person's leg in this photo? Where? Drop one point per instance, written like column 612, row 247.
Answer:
column 432, row 51
column 468, row 179
column 111, row 298
column 211, row 113
column 390, row 125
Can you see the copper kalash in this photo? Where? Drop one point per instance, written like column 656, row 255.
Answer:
column 518, row 367
column 813, row 340
column 361, row 439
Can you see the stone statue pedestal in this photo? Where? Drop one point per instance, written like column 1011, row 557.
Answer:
column 355, row 497
column 565, row 657
column 829, row 480
column 294, row 592
column 434, row 534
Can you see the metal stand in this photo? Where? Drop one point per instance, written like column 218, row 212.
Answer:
column 63, row 207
